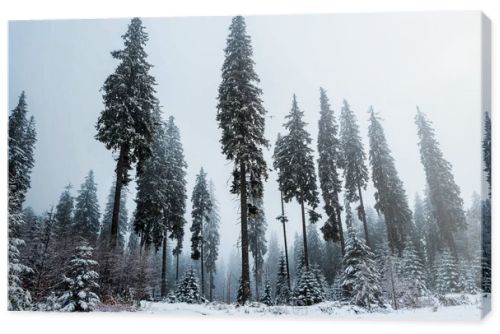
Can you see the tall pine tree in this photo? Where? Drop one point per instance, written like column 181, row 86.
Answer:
column 444, row 194
column 390, row 196
column 200, row 213
column 177, row 194
column 22, row 139
column 211, row 241
column 297, row 177
column 328, row 164
column 241, row 117
column 126, row 124
column 353, row 162
column 278, row 156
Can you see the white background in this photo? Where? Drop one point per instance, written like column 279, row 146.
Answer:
column 141, row 323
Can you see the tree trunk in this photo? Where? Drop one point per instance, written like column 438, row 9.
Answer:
column 363, row 216
column 201, row 264
column 304, row 235
column 284, row 238
column 245, row 266
column 394, row 300
column 164, row 268
column 115, row 220
column 210, row 286
column 177, row 267
column 341, row 231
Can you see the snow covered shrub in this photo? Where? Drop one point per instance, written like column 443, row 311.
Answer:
column 80, row 283
column 51, row 304
column 188, row 290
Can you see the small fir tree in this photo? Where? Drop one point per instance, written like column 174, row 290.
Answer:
column 447, row 275
column 80, row 283
column 360, row 278
column 267, row 297
column 282, row 291
column 188, row 290
column 308, row 291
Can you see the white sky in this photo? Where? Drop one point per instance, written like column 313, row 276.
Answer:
column 391, row 61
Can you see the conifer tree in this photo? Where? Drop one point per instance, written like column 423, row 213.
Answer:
column 22, row 139
column 273, row 258
column 267, row 298
column 360, row 278
column 241, row 117
column 447, row 275
column 177, row 194
column 200, row 213
column 80, row 283
column 278, row 156
column 87, row 215
column 316, row 249
column 444, row 194
column 353, row 162
column 487, row 148
column 486, row 210
column 328, row 164
column 412, row 272
column 308, row 291
column 211, row 240
column 297, row 177
column 126, row 124
column 257, row 240
column 282, row 291
column 153, row 189
column 188, row 290
column 390, row 195
column 106, row 222
column 64, row 224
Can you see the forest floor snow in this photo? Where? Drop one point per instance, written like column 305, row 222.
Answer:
column 465, row 312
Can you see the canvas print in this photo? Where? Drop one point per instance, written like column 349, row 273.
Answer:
column 334, row 166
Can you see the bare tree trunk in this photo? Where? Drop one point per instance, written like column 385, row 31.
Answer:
column 363, row 216
column 120, row 171
column 304, row 234
column 245, row 266
column 341, row 231
column 164, row 268
column 177, row 267
column 284, row 238
column 210, row 286
column 394, row 300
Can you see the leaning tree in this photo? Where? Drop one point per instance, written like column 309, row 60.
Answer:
column 444, row 194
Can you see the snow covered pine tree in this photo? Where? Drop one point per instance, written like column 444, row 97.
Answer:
column 126, row 124
column 80, row 283
column 22, row 138
column 241, row 117
column 188, row 290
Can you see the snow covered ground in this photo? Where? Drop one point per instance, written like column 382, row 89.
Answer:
column 470, row 311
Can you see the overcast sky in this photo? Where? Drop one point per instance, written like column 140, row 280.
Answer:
column 391, row 61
